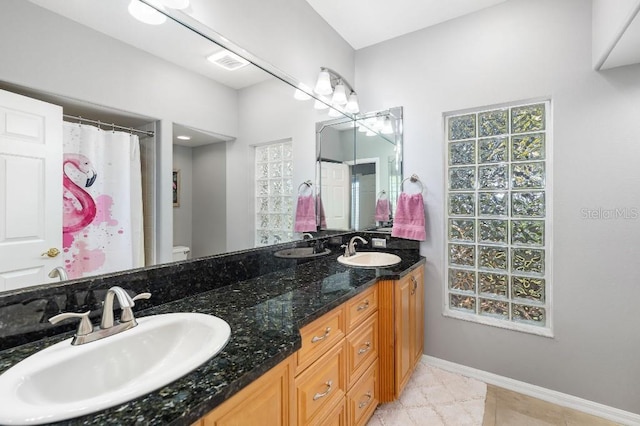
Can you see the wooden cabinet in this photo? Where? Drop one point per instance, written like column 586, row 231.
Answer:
column 337, row 369
column 401, row 331
column 266, row 401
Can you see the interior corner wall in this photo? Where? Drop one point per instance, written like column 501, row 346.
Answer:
column 520, row 50
column 288, row 34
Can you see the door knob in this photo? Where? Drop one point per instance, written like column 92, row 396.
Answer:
column 52, row 252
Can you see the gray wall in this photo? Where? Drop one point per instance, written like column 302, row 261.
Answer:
column 209, row 233
column 183, row 215
column 516, row 51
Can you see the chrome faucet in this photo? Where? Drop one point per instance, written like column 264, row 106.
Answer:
column 350, row 249
column 108, row 327
column 306, row 234
column 59, row 272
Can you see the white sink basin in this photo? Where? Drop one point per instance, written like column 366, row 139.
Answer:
column 370, row 259
column 65, row 381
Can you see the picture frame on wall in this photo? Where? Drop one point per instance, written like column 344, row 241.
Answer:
column 176, row 188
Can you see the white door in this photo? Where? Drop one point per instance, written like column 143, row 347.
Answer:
column 335, row 192
column 30, row 190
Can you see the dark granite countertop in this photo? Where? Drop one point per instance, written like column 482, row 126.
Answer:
column 265, row 314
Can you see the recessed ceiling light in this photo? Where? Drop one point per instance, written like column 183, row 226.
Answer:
column 184, row 137
column 228, row 60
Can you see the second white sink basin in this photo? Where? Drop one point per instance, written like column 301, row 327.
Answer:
column 370, row 259
column 65, row 381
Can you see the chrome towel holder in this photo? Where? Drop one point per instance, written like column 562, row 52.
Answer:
column 413, row 179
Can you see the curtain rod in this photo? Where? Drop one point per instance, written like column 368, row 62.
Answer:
column 111, row 125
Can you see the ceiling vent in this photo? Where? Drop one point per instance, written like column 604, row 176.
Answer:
column 228, row 60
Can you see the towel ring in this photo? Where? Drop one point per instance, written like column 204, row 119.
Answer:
column 414, row 179
column 305, row 184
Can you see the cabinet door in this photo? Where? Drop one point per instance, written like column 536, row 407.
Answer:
column 267, row 401
column 404, row 333
column 416, row 315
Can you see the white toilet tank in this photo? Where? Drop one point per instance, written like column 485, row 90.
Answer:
column 181, row 253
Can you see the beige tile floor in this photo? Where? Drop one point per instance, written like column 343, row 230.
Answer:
column 434, row 397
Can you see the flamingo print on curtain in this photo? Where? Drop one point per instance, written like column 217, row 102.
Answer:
column 102, row 201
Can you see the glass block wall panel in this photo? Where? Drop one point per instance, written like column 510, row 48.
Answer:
column 527, row 147
column 274, row 193
column 493, row 150
column 462, row 280
column 493, row 177
column 462, row 178
column 462, row 229
column 529, row 118
column 493, row 231
column 462, row 127
column 462, row 204
column 462, row 153
column 497, row 202
column 493, row 123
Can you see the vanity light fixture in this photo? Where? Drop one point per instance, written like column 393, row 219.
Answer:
column 147, row 14
column 320, row 105
column 344, row 96
column 184, row 137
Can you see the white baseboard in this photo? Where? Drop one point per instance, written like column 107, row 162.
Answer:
column 558, row 398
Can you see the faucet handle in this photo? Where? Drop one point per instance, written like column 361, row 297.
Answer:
column 127, row 313
column 85, row 327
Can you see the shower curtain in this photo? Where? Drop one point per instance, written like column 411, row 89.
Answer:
column 102, row 201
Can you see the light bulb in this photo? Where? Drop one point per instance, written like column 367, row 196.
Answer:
column 323, row 85
column 352, row 104
column 339, row 95
column 145, row 13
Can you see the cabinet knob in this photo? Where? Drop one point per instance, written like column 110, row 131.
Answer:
column 415, row 284
column 363, row 404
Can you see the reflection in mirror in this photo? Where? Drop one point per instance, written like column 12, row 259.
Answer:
column 102, row 64
column 359, row 170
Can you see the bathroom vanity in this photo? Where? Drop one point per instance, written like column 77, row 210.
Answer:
column 310, row 340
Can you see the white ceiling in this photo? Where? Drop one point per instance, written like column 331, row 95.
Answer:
column 363, row 23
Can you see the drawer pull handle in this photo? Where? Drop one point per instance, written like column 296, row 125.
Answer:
column 324, row 336
column 415, row 284
column 364, row 306
column 319, row 395
column 365, row 349
column 363, row 404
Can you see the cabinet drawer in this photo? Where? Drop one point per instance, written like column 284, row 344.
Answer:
column 362, row 348
column 319, row 336
column 361, row 306
column 362, row 399
column 319, row 388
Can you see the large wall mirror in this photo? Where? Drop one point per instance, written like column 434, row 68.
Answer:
column 98, row 63
column 359, row 170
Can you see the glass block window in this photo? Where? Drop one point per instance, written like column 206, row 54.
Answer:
column 497, row 212
column 274, row 193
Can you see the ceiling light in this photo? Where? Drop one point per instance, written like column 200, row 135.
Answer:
column 184, row 137
column 145, row 13
column 176, row 4
column 323, row 85
column 301, row 93
column 352, row 104
column 339, row 95
column 228, row 60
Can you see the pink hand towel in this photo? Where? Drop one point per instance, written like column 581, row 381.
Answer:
column 323, row 218
column 383, row 210
column 305, row 214
column 409, row 221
